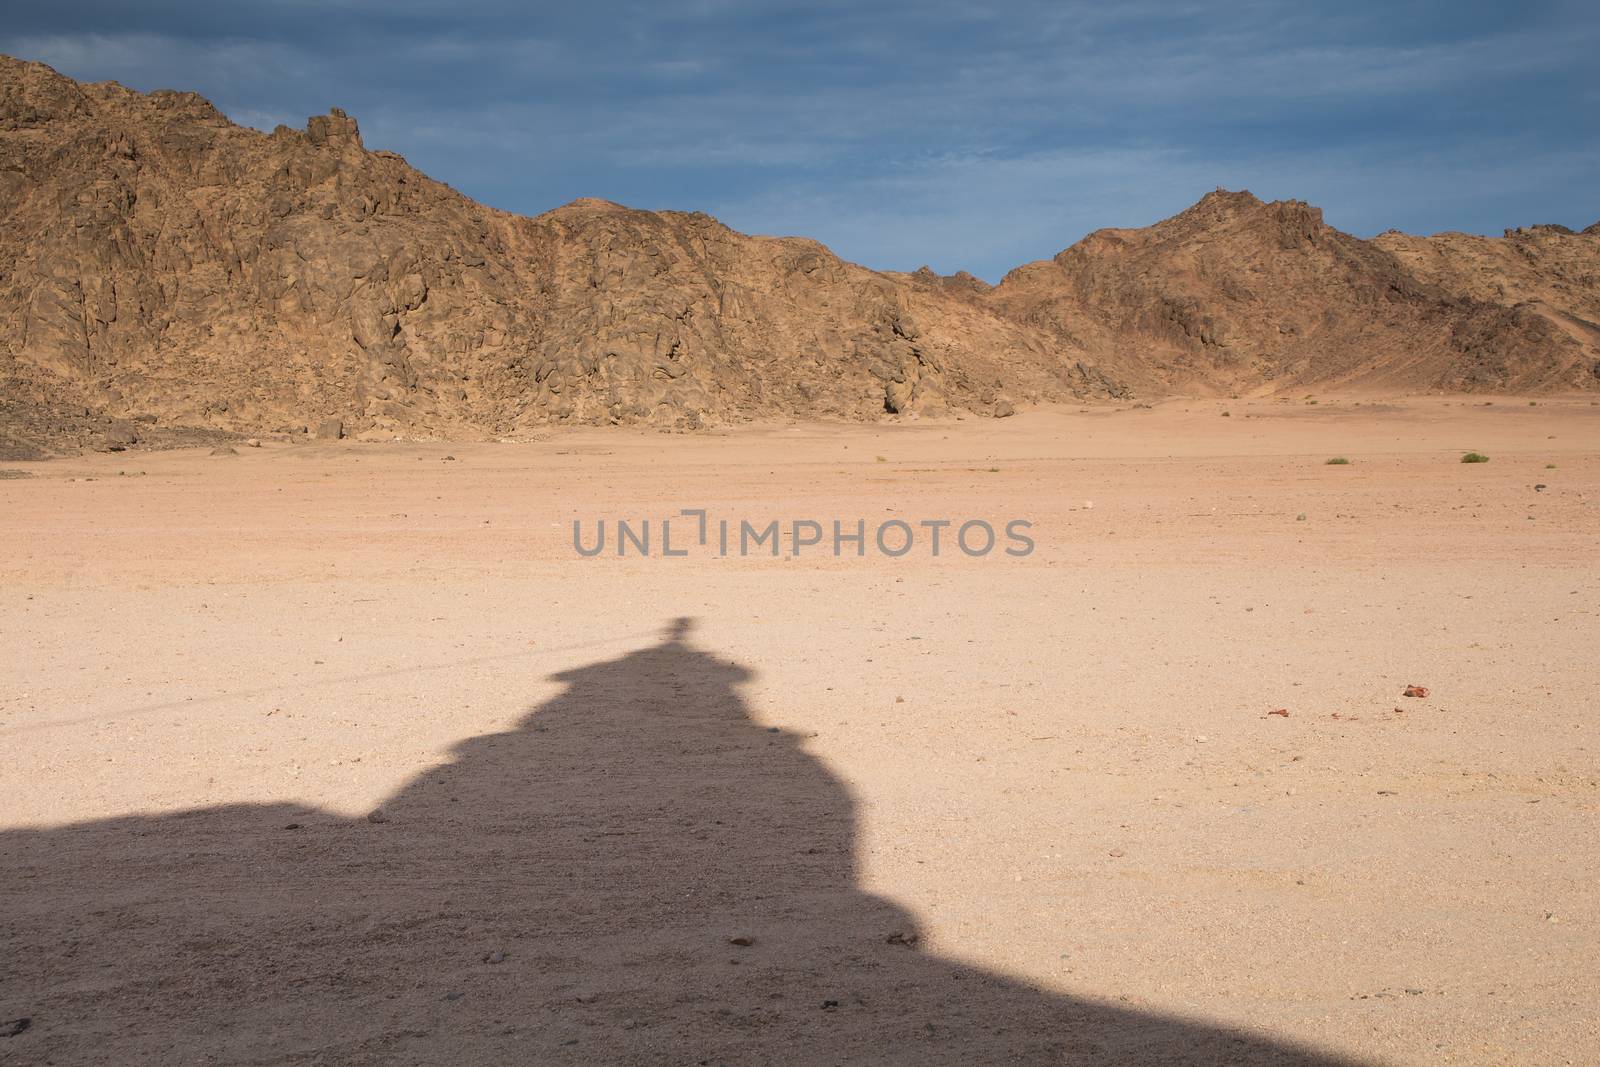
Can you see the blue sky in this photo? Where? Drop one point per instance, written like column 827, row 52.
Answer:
column 961, row 135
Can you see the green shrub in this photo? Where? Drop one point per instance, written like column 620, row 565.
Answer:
column 1474, row 457
column 1338, row 461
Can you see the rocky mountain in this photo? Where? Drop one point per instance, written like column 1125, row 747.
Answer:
column 1547, row 270
column 161, row 267
column 157, row 260
column 1237, row 295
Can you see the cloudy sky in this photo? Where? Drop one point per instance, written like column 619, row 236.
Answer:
column 968, row 135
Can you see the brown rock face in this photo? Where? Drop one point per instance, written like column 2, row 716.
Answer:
column 158, row 262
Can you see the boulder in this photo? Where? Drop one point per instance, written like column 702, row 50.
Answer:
column 119, row 436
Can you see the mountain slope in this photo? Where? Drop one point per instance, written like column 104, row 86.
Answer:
column 1239, row 295
column 1548, row 270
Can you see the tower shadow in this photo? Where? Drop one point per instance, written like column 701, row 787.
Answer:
column 638, row 873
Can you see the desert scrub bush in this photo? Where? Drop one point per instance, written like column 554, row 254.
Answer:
column 1338, row 461
column 1474, row 457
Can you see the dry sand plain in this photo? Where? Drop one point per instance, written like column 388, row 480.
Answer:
column 1057, row 776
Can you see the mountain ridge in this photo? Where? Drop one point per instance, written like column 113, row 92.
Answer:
column 159, row 263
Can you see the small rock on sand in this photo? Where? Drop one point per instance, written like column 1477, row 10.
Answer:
column 121, row 435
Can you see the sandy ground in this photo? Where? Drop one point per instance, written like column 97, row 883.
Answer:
column 1057, row 776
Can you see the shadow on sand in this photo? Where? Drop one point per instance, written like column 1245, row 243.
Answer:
column 566, row 892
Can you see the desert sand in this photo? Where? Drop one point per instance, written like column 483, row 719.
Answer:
column 337, row 752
